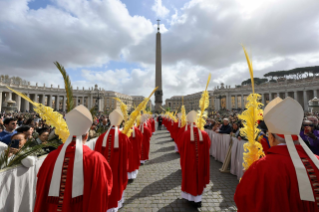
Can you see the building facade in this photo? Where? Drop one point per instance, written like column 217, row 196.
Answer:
column 235, row 98
column 302, row 91
column 56, row 97
column 191, row 102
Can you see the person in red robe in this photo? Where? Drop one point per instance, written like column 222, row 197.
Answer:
column 147, row 134
column 64, row 185
column 152, row 122
column 195, row 162
column 286, row 179
column 136, row 140
column 177, row 127
column 115, row 147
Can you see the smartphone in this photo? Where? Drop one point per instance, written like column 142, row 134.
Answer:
column 14, row 143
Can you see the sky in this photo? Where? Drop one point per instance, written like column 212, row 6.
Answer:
column 112, row 42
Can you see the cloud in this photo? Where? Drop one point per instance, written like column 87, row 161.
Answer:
column 278, row 35
column 160, row 10
column 201, row 37
column 76, row 33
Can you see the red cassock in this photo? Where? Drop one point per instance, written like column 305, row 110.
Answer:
column 179, row 142
column 152, row 123
column 135, row 155
column 195, row 162
column 146, row 143
column 98, row 182
column 118, row 159
column 270, row 184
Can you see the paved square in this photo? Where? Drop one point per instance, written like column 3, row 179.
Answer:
column 158, row 184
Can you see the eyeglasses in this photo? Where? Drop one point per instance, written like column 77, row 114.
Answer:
column 308, row 125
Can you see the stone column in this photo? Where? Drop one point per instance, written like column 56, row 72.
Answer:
column 315, row 93
column 236, row 102
column 57, row 103
column 18, row 102
column 286, row 94
column 263, row 98
column 296, row 95
column 242, row 102
column 270, row 97
column 278, row 94
column 27, row 104
column 9, row 96
column 227, row 101
column 50, row 100
column 305, row 100
column 64, row 104
column 0, row 101
column 90, row 103
column 43, row 99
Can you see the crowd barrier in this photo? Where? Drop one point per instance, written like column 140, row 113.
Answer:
column 18, row 186
column 220, row 144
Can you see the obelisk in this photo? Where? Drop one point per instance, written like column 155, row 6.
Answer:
column 158, row 71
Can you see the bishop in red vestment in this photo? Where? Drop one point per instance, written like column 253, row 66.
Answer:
column 115, row 147
column 287, row 178
column 195, row 162
column 147, row 134
column 136, row 140
column 74, row 187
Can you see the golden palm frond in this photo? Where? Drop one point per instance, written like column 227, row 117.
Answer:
column 135, row 114
column 51, row 117
column 250, row 118
column 123, row 108
column 68, row 87
column 203, row 104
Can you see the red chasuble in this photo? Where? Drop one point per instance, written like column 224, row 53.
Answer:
column 270, row 184
column 118, row 159
column 135, row 155
column 195, row 162
column 98, row 182
column 145, row 150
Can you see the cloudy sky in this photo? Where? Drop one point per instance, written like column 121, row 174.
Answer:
column 112, row 43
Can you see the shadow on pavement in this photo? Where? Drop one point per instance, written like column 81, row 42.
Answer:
column 164, row 158
column 165, row 149
column 224, row 184
column 177, row 204
column 167, row 183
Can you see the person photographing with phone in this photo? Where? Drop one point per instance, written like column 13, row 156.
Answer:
column 310, row 136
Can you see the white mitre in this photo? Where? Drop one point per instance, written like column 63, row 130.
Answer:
column 191, row 119
column 79, row 121
column 143, row 120
column 284, row 118
column 116, row 117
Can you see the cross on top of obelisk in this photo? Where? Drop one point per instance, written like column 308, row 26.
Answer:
column 158, row 25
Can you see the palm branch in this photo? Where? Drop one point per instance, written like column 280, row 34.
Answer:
column 68, row 87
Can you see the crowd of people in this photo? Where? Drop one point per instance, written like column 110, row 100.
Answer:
column 17, row 129
column 66, row 178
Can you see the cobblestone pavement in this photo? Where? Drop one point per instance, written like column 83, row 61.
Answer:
column 158, row 184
